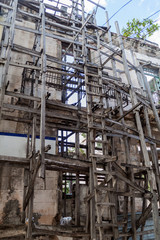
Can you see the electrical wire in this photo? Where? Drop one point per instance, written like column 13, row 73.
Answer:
column 147, row 24
column 143, row 29
column 113, row 16
column 132, row 34
column 152, row 14
column 117, row 11
column 148, row 33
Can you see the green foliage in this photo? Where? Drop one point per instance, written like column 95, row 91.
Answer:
column 84, row 135
column 82, row 151
column 140, row 28
column 67, row 189
column 71, row 150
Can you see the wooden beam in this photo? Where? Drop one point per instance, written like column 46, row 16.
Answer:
column 6, row 6
column 60, row 231
column 43, row 92
column 130, row 183
column 22, row 95
column 8, row 159
column 12, row 233
column 98, row 5
column 142, row 219
column 48, row 113
column 129, row 111
column 66, row 162
column 31, row 183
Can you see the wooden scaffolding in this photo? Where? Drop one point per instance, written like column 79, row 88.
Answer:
column 81, row 39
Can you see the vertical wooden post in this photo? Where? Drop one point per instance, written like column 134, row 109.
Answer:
column 65, row 193
column 9, row 41
column 126, row 144
column 142, row 140
column 30, row 205
column 77, row 201
column 77, row 190
column 43, row 94
column 90, row 131
column 141, row 76
column 77, row 135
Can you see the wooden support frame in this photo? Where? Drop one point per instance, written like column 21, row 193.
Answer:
column 85, row 36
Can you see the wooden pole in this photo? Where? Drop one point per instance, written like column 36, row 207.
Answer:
column 6, row 52
column 141, row 135
column 43, row 94
column 126, row 144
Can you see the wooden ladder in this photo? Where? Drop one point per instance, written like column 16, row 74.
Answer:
column 100, row 159
column 6, row 46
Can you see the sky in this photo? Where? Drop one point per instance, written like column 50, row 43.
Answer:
column 140, row 9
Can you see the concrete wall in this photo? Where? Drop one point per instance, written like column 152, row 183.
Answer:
column 11, row 193
column 137, row 52
column 46, row 201
column 15, row 145
column 26, row 39
column 11, row 179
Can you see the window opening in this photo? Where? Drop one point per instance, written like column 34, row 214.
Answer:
column 153, row 79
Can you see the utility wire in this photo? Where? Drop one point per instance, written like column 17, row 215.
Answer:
column 95, row 58
column 147, row 33
column 152, row 14
column 147, row 24
column 117, row 11
column 143, row 29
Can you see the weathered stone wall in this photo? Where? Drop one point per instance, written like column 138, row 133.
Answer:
column 46, row 201
column 12, row 179
column 11, row 195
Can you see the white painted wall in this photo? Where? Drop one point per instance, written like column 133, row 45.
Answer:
column 15, row 145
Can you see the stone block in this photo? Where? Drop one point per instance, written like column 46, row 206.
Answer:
column 46, row 219
column 51, row 183
column 39, row 184
column 5, row 171
column 45, row 196
column 45, row 209
column 51, row 174
column 5, row 183
column 65, row 238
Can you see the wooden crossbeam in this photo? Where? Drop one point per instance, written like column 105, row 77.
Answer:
column 59, row 231
column 129, row 111
column 13, row 232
